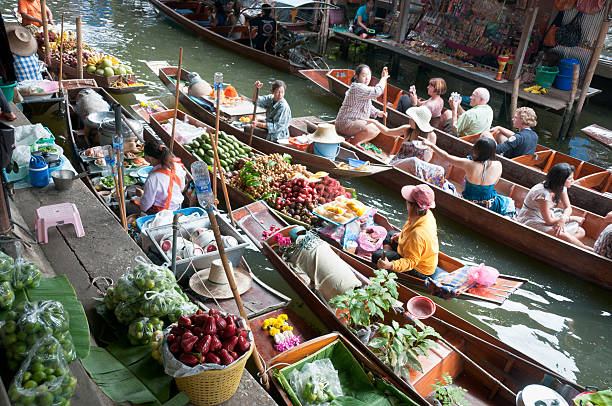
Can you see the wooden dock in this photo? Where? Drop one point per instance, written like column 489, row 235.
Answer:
column 555, row 99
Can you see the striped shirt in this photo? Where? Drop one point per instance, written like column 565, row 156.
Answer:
column 27, row 67
column 357, row 104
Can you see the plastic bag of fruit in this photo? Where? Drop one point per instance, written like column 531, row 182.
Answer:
column 7, row 296
column 6, row 267
column 25, row 275
column 204, row 341
column 181, row 305
column 128, row 310
column 158, row 304
column 141, row 330
column 44, row 377
column 125, row 289
column 29, row 322
column 150, row 277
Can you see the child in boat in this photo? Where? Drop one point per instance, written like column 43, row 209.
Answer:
column 414, row 250
column 435, row 89
column 278, row 112
column 163, row 189
column 482, row 172
column 547, row 206
column 418, row 127
column 357, row 107
column 524, row 141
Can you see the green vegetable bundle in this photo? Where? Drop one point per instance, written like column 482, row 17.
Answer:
column 44, row 378
column 141, row 330
column 31, row 321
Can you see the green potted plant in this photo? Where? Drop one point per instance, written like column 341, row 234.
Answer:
column 399, row 346
column 447, row 394
column 361, row 305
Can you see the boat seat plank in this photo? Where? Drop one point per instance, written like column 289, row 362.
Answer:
column 597, row 180
column 538, row 161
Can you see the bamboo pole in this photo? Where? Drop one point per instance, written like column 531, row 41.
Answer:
column 176, row 96
column 567, row 114
column 61, row 54
column 385, row 100
column 255, row 97
column 586, row 82
column 216, row 139
column 118, row 148
column 79, row 35
column 232, row 282
column 43, row 13
column 515, row 91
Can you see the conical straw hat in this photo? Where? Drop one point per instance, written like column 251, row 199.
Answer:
column 212, row 282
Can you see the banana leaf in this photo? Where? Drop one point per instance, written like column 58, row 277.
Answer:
column 59, row 288
column 129, row 374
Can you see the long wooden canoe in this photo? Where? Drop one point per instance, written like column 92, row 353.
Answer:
column 593, row 187
column 218, row 35
column 258, row 217
column 514, row 369
column 314, row 162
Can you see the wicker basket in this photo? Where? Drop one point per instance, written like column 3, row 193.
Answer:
column 215, row 386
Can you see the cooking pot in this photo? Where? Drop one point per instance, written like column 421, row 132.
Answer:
column 63, row 178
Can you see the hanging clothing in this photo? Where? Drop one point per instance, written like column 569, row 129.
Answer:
column 487, row 196
column 163, row 189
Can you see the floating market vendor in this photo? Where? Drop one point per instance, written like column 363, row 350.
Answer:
column 30, row 12
column 364, row 19
column 414, row 250
column 163, row 189
column 278, row 112
column 23, row 46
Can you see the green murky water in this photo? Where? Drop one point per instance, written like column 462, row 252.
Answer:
column 557, row 319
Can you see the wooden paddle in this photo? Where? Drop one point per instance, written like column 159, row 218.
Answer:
column 176, row 96
column 43, row 13
column 385, row 100
column 61, row 54
column 255, row 97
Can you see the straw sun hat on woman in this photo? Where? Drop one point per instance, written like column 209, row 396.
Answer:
column 21, row 41
column 421, row 116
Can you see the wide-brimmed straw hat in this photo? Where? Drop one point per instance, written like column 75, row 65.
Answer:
column 325, row 134
column 21, row 41
column 421, row 116
column 212, row 282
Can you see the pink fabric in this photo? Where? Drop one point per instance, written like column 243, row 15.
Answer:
column 357, row 104
column 376, row 232
column 482, row 274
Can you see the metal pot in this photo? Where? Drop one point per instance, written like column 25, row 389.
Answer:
column 107, row 131
column 63, row 178
column 539, row 395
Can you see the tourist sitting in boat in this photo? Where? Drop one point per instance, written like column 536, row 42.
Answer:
column 476, row 120
column 482, row 172
column 414, row 250
column 236, row 19
column 364, row 19
column 357, row 107
column 30, row 13
column 603, row 245
column 547, row 206
column 266, row 28
column 417, row 128
column 278, row 112
column 524, row 141
column 163, row 189
column 217, row 16
column 435, row 89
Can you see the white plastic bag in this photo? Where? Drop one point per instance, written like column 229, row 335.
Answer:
column 29, row 134
column 22, row 155
column 317, row 383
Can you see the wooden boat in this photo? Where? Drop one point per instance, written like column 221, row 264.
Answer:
column 500, row 361
column 144, row 109
column 218, row 35
column 599, row 134
column 257, row 217
column 592, row 190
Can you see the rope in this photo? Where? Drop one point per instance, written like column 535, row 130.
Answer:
column 106, row 279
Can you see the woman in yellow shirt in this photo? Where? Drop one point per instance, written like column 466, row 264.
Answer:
column 414, row 250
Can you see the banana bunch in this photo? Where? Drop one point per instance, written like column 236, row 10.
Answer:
column 535, row 89
column 94, row 60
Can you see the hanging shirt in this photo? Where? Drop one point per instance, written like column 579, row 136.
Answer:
column 156, row 189
column 418, row 246
column 523, row 142
column 476, row 120
column 278, row 115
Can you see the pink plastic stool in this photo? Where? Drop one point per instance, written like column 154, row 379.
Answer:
column 57, row 214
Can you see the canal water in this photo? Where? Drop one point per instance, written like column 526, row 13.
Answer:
column 559, row 320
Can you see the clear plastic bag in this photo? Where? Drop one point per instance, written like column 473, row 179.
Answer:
column 26, row 275
column 141, row 330
column 128, row 310
column 7, row 296
column 31, row 321
column 152, row 277
column 158, row 304
column 44, row 377
column 317, row 383
column 110, row 298
column 125, row 288
column 6, row 267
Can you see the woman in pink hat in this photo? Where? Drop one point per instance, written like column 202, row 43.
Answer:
column 414, row 250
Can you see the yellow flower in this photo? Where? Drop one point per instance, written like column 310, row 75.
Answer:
column 283, row 317
column 278, row 324
column 287, row 327
column 274, row 331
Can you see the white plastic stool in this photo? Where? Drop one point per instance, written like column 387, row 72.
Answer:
column 57, row 214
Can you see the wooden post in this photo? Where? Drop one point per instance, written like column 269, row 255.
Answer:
column 79, row 35
column 404, row 16
column 324, row 30
column 523, row 43
column 586, row 82
column 567, row 114
column 61, row 56
column 515, row 91
column 176, row 96
column 237, row 298
column 43, row 13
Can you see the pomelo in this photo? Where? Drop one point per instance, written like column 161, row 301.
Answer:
column 100, row 71
column 106, row 63
column 108, row 71
column 91, row 68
